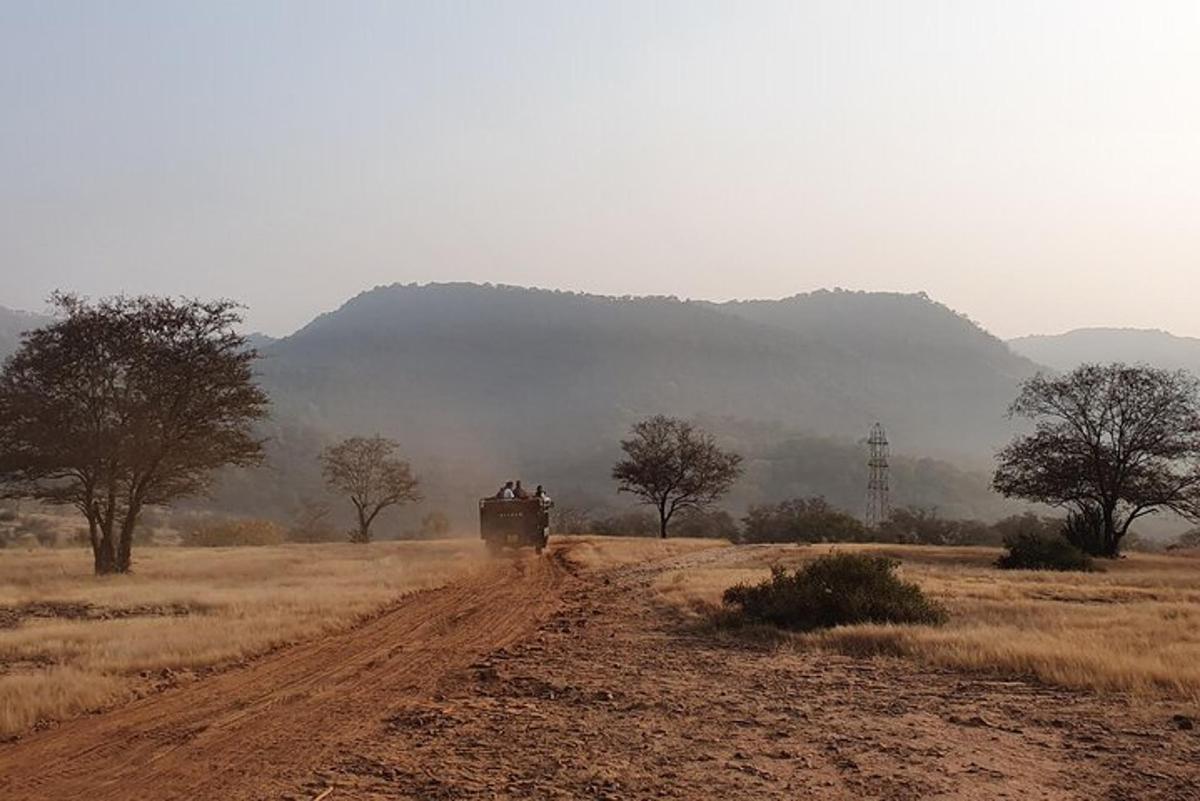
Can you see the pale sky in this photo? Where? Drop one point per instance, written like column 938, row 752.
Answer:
column 1035, row 165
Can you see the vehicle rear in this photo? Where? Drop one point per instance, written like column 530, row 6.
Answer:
column 514, row 523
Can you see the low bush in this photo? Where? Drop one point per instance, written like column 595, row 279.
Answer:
column 226, row 533
column 836, row 590
column 1028, row 550
column 802, row 520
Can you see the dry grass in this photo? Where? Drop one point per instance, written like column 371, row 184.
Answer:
column 603, row 552
column 1134, row 628
column 190, row 608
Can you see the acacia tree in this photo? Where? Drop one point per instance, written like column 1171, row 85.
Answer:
column 365, row 469
column 672, row 465
column 1111, row 443
column 126, row 403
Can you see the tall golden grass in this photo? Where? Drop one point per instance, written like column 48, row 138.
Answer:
column 217, row 605
column 599, row 552
column 1134, row 628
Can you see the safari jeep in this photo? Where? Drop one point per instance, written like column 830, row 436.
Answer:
column 514, row 523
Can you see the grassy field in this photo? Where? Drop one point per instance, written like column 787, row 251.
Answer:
column 597, row 552
column 71, row 642
column 1134, row 628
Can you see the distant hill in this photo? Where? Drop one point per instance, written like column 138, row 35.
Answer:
column 465, row 367
column 259, row 340
column 12, row 324
column 939, row 382
column 1131, row 345
column 483, row 383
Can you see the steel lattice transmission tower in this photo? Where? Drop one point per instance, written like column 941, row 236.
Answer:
column 879, row 500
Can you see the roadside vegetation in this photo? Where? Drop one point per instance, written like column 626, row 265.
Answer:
column 70, row 642
column 839, row 589
column 1030, row 550
column 1133, row 628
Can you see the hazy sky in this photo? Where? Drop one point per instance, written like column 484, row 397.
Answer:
column 1035, row 165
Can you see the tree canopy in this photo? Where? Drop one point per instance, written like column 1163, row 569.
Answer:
column 672, row 465
column 1112, row 443
column 123, row 403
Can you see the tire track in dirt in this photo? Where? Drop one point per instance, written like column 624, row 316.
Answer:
column 257, row 731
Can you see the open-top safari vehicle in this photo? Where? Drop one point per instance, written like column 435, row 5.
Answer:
column 514, row 523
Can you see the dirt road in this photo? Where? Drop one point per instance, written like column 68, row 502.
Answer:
column 539, row 679
column 258, row 732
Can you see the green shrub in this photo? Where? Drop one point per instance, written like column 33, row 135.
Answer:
column 1029, row 550
column 226, row 533
column 835, row 590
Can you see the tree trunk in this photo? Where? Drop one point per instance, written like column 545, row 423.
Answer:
column 1111, row 538
column 103, row 552
column 363, row 535
column 125, row 544
column 102, row 556
column 99, row 564
column 663, row 518
column 104, row 564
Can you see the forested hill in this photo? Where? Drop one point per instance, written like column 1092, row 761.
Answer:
column 510, row 372
column 484, row 383
column 1130, row 345
column 939, row 382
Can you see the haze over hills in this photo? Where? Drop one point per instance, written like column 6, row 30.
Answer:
column 12, row 324
column 1131, row 345
column 491, row 358
column 481, row 383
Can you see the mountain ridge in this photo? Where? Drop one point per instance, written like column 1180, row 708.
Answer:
column 481, row 382
column 1151, row 346
column 812, row 362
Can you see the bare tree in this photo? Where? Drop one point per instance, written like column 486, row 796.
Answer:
column 1112, row 443
column 127, row 403
column 364, row 469
column 672, row 465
